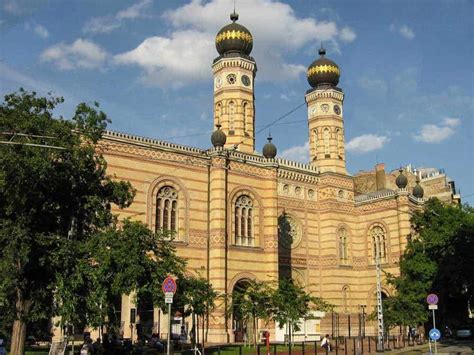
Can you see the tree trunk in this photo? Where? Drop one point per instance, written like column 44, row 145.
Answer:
column 22, row 308
column 18, row 338
column 254, row 332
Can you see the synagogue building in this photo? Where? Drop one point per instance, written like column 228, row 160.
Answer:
column 239, row 214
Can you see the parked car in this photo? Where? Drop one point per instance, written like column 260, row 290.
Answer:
column 464, row 332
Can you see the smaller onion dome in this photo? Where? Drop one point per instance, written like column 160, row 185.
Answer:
column 418, row 190
column 323, row 71
column 234, row 38
column 218, row 137
column 269, row 149
column 401, row 180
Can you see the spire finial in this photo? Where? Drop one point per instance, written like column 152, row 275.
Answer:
column 322, row 51
column 234, row 16
column 269, row 138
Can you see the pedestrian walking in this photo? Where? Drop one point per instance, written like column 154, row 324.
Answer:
column 325, row 343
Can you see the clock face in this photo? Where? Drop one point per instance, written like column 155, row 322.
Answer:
column 245, row 80
column 313, row 111
column 337, row 110
column 231, row 79
column 218, row 82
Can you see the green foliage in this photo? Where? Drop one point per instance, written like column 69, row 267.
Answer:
column 439, row 258
column 198, row 294
column 292, row 303
column 54, row 196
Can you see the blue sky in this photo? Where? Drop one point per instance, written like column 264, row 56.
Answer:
column 407, row 70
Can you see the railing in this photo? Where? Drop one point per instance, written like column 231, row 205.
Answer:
column 339, row 345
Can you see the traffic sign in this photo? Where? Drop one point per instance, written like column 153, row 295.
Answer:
column 432, row 307
column 432, row 299
column 169, row 285
column 435, row 334
column 168, row 300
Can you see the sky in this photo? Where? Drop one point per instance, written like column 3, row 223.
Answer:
column 407, row 70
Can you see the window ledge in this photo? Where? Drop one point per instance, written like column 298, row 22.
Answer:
column 345, row 266
column 246, row 247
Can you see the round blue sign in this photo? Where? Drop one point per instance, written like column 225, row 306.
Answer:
column 435, row 334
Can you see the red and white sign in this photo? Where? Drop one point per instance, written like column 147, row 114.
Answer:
column 432, row 299
column 169, row 285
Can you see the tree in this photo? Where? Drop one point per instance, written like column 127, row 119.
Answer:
column 439, row 258
column 291, row 303
column 200, row 297
column 126, row 260
column 54, row 195
column 253, row 301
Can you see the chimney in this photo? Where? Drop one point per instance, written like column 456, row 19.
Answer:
column 380, row 176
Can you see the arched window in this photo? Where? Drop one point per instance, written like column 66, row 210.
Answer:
column 343, row 246
column 244, row 221
column 326, row 137
column 246, row 123
column 315, row 138
column 167, row 209
column 218, row 113
column 379, row 246
column 231, row 117
column 345, row 297
column 340, row 149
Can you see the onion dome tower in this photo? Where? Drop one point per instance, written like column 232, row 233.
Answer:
column 269, row 149
column 401, row 180
column 218, row 137
column 418, row 190
column 323, row 71
column 234, row 38
column 234, row 73
column 325, row 115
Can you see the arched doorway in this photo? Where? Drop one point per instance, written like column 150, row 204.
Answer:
column 239, row 323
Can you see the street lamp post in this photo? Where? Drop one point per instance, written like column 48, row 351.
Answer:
column 363, row 319
column 380, row 327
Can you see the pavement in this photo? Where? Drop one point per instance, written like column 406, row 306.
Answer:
column 462, row 347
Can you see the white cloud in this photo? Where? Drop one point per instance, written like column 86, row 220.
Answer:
column 109, row 23
column 347, row 34
column 200, row 22
column 172, row 61
column 81, row 53
column 452, row 122
column 41, row 31
column 403, row 30
column 431, row 133
column 366, row 143
column 297, row 153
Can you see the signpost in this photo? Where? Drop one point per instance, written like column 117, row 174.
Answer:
column 434, row 333
column 169, row 289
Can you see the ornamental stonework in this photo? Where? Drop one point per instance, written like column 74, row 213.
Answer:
column 217, row 237
column 269, row 242
column 302, row 192
column 249, row 169
column 107, row 146
column 197, row 239
column 337, row 182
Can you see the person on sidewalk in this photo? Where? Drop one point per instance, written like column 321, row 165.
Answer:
column 325, row 343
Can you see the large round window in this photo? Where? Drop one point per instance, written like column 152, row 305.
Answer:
column 289, row 232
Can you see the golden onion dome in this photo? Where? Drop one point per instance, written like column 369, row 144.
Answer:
column 234, row 38
column 323, row 71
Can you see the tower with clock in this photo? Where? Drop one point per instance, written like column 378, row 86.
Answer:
column 234, row 73
column 325, row 120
